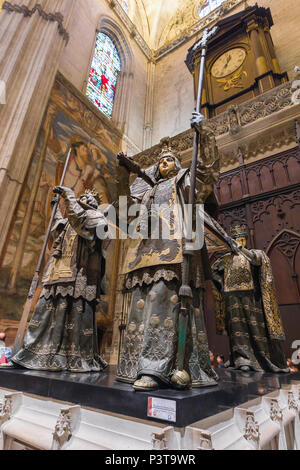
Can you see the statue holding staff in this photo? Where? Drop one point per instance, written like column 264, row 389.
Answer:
column 153, row 268
column 165, row 339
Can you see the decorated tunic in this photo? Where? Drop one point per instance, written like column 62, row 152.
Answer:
column 152, row 268
column 247, row 310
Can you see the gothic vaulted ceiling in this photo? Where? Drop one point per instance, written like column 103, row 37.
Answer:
column 160, row 21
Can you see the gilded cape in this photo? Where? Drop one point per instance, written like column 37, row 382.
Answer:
column 267, row 289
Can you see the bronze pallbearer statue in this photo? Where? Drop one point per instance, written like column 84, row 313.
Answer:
column 247, row 309
column 153, row 269
column 62, row 332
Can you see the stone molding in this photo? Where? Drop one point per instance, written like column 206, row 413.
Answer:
column 27, row 12
column 134, row 34
column 193, row 28
column 242, row 126
column 261, row 424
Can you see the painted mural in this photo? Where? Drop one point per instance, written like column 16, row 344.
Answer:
column 69, row 121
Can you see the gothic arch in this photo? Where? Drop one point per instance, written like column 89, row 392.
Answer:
column 122, row 98
column 287, row 241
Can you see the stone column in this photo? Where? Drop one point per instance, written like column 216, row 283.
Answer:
column 32, row 38
column 148, row 122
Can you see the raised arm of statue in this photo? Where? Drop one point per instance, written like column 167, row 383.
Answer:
column 82, row 214
column 58, row 222
column 208, row 165
column 122, row 180
column 75, row 213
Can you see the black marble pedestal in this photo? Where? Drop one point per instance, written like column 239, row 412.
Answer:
column 101, row 391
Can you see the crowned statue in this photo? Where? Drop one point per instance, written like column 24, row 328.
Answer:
column 246, row 307
column 62, row 334
column 153, row 272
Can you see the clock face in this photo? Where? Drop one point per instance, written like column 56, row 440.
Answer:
column 228, row 62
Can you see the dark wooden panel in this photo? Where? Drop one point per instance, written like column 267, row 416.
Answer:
column 271, row 208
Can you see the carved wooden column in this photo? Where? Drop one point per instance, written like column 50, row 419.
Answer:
column 246, row 194
column 270, row 44
column 148, row 124
column 265, row 83
column 32, row 38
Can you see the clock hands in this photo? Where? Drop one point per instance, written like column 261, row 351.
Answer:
column 228, row 59
column 228, row 63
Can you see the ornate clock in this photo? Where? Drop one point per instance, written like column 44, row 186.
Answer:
column 241, row 61
column 228, row 63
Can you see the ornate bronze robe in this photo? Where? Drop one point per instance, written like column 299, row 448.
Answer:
column 62, row 332
column 153, row 278
column 246, row 309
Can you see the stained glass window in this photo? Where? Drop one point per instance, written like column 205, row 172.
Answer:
column 208, row 6
column 104, row 71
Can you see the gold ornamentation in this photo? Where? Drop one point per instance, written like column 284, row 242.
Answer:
column 229, row 62
column 181, row 379
column 202, row 337
column 154, row 321
column 140, row 304
column 174, row 299
column 237, row 274
column 61, row 268
column 168, row 323
column 220, row 310
column 197, row 312
column 234, row 81
column 131, row 327
column 272, row 315
column 142, row 252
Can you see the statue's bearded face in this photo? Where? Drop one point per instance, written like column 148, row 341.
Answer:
column 166, row 165
column 242, row 241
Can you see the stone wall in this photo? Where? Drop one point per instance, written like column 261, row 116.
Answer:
column 76, row 59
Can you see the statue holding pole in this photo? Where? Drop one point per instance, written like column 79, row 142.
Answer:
column 165, row 339
column 62, row 332
column 246, row 307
